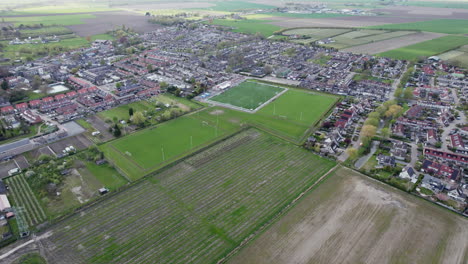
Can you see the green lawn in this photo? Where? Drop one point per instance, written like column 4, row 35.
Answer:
column 290, row 116
column 448, row 26
column 143, row 152
column 248, row 95
column 106, row 175
column 248, row 26
column 121, row 112
column 426, row 48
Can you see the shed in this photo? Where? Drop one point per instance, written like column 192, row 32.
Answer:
column 4, row 203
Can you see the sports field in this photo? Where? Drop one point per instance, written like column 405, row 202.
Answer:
column 145, row 151
column 194, row 212
column 289, row 116
column 248, row 95
column 426, row 48
column 350, row 218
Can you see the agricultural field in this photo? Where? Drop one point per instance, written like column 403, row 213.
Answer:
column 249, row 26
column 360, row 37
column 208, row 204
column 147, row 150
column 231, row 6
column 394, row 43
column 350, row 218
column 25, row 201
column 59, row 20
column 427, row 48
column 248, row 95
column 457, row 57
column 447, row 26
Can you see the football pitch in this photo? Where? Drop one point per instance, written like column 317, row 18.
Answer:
column 248, row 95
column 145, row 151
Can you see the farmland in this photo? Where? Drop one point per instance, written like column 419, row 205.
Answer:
column 427, row 48
column 360, row 37
column 60, row 20
column 208, row 204
column 249, row 26
column 351, row 218
column 248, row 95
column 447, row 26
column 229, row 6
column 458, row 56
column 24, row 198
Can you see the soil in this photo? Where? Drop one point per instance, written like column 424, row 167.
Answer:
column 351, row 218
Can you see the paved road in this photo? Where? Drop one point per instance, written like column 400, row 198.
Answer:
column 453, row 125
column 396, row 83
column 363, row 160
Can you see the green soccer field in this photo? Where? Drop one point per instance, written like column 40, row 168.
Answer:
column 248, row 95
column 145, row 151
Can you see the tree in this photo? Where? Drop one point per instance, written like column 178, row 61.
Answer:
column 393, row 111
column 138, row 118
column 372, row 121
column 352, row 153
column 130, row 111
column 385, row 132
column 408, row 93
column 37, row 81
column 116, row 131
column 5, row 85
column 88, row 38
column 368, row 131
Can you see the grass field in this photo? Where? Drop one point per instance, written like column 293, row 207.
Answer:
column 279, row 14
column 448, row 26
column 248, row 95
column 427, row 48
column 145, row 151
column 121, row 112
column 194, row 212
column 249, row 26
column 290, row 116
column 350, row 218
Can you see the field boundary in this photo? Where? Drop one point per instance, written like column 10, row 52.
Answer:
column 275, row 217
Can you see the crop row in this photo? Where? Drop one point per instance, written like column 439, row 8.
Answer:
column 24, row 197
column 188, row 215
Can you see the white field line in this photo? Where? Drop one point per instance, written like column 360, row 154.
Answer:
column 244, row 109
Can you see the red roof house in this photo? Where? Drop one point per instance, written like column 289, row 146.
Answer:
column 35, row 103
column 7, row 110
column 22, row 106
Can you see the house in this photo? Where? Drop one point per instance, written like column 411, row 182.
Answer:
column 21, row 106
column 432, row 184
column 4, row 203
column 457, row 142
column 431, row 137
column 457, row 195
column 71, row 94
column 409, row 173
column 440, row 170
column 7, row 110
column 458, row 158
column 35, row 103
column 399, row 150
column 384, row 160
column 30, row 117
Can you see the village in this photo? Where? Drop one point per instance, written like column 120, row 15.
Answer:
column 403, row 122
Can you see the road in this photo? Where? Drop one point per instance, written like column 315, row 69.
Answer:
column 453, row 125
column 396, row 83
